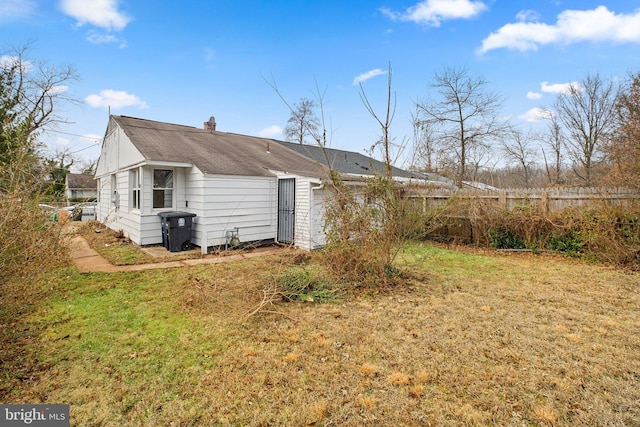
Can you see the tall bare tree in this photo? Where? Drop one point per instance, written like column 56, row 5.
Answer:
column 553, row 139
column 430, row 154
column 384, row 123
column 623, row 150
column 517, row 147
column 587, row 113
column 464, row 115
column 303, row 122
column 31, row 94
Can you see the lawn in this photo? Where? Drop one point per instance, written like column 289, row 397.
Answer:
column 473, row 338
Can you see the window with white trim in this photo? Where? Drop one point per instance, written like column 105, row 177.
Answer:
column 114, row 191
column 135, row 181
column 162, row 188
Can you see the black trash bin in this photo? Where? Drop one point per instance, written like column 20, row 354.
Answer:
column 176, row 230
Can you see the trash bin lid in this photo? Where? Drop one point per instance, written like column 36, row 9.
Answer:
column 175, row 214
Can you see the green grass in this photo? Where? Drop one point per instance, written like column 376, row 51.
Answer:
column 111, row 340
column 473, row 338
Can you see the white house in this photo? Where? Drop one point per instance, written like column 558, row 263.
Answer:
column 247, row 188
column 79, row 186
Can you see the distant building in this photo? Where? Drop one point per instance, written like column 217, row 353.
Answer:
column 80, row 186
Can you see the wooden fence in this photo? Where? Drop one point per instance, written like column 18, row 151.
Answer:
column 460, row 222
column 545, row 199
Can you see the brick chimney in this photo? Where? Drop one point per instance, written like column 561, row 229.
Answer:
column 211, row 124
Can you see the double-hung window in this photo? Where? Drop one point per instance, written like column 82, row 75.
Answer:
column 135, row 180
column 162, row 188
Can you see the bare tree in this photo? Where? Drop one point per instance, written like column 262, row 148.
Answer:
column 31, row 94
column 554, row 140
column 517, row 147
column 86, row 166
column 302, row 122
column 31, row 97
column 385, row 124
column 430, row 154
column 464, row 116
column 623, row 150
column 587, row 113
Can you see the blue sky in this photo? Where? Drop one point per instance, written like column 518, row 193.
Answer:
column 182, row 62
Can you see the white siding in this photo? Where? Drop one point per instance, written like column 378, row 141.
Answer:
column 317, row 236
column 309, row 224
column 223, row 203
column 142, row 225
column 117, row 153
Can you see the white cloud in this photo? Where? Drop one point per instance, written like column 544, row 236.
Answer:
column 271, row 131
column 114, row 99
column 433, row 12
column 534, row 95
column 368, row 75
column 12, row 9
column 536, row 114
column 8, row 61
column 527, row 15
column 100, row 13
column 98, row 38
column 57, row 90
column 558, row 87
column 572, row 26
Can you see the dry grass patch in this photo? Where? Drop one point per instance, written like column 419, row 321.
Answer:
column 558, row 346
column 398, row 379
column 369, row 370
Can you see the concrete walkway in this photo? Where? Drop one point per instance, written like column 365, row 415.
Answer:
column 87, row 260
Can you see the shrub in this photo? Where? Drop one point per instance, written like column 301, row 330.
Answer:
column 31, row 240
column 300, row 284
column 363, row 232
column 570, row 243
column 504, row 238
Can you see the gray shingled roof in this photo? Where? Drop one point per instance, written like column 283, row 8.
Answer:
column 348, row 161
column 215, row 152
column 83, row 181
column 225, row 153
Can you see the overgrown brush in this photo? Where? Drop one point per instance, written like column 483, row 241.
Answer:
column 364, row 229
column 607, row 233
column 302, row 284
column 31, row 240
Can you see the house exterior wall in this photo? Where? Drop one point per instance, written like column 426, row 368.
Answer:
column 117, row 153
column 224, row 203
column 309, row 213
column 80, row 193
column 117, row 211
column 317, row 237
column 221, row 203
